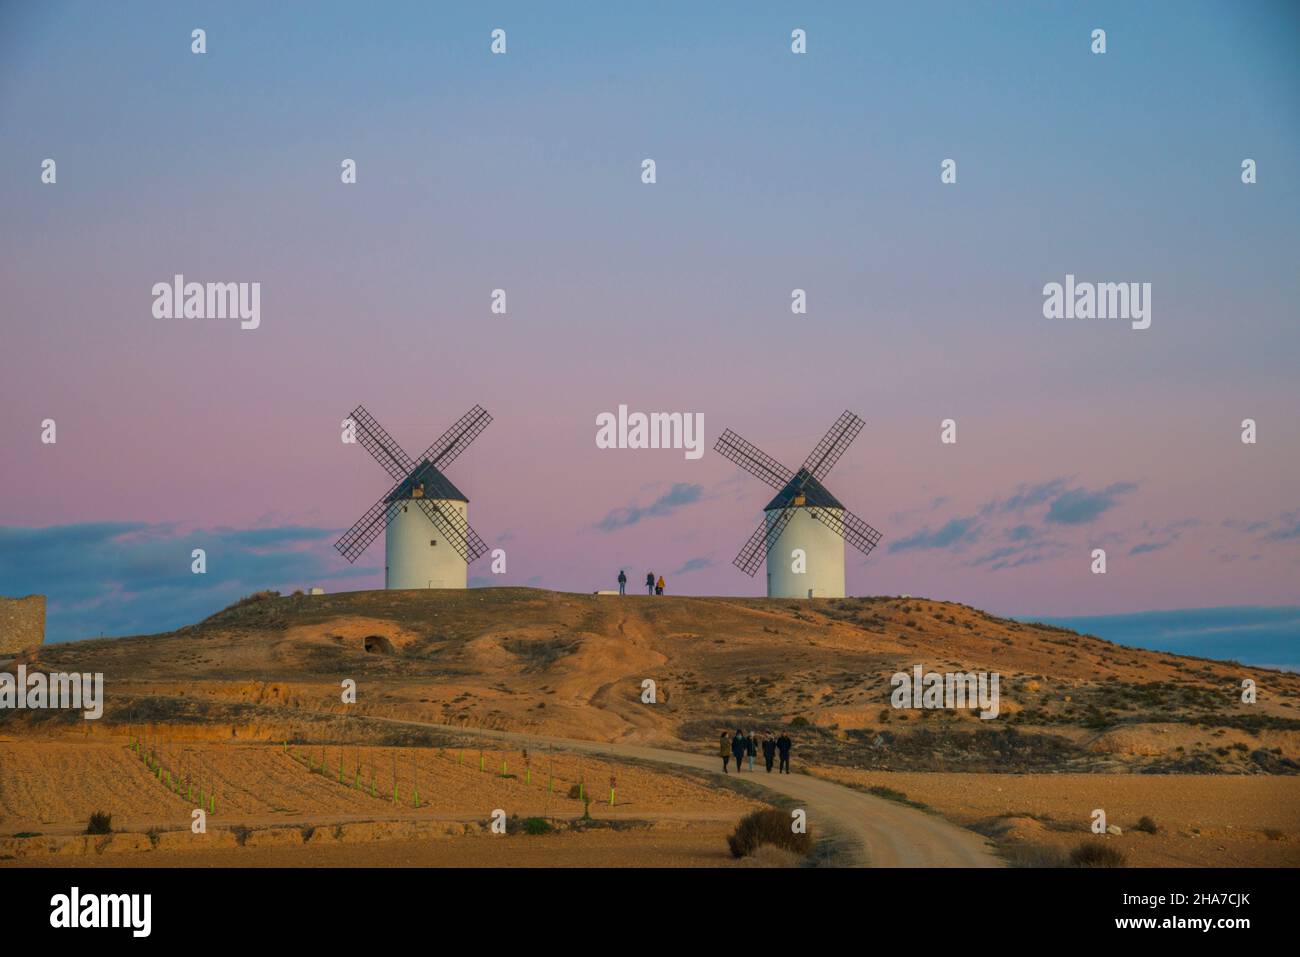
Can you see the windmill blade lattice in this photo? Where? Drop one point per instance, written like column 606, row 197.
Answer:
column 454, row 530
column 456, row 439
column 393, row 459
column 833, row 444
column 381, row 445
column 791, row 487
column 367, row 528
column 752, row 459
column 761, row 542
column 850, row 528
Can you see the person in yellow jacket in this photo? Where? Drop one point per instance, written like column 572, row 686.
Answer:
column 659, row 586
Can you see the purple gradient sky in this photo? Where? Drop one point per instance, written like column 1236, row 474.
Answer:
column 775, row 171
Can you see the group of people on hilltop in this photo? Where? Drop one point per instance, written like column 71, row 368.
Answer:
column 741, row 746
column 652, row 586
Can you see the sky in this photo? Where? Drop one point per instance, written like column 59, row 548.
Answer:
column 775, row 171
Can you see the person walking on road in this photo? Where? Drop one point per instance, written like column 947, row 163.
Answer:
column 751, row 747
column 726, row 752
column 649, row 583
column 769, row 751
column 783, row 744
column 738, row 746
column 659, row 586
column 622, row 582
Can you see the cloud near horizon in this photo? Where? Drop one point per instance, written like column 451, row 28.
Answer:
column 694, row 565
column 681, row 494
column 124, row 578
column 1024, row 542
column 1079, row 506
column 956, row 532
column 1268, row 636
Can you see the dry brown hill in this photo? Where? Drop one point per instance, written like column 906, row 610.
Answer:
column 573, row 665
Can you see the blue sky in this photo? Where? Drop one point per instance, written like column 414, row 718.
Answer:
column 1259, row 636
column 775, row 171
column 123, row 578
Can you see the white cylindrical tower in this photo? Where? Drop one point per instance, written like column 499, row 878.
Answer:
column 416, row 553
column 807, row 558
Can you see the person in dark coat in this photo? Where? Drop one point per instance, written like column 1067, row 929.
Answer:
column 769, row 751
column 738, row 746
column 725, row 745
column 622, row 582
column 649, row 583
column 784, row 744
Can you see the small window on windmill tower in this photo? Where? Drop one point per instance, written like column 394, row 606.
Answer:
column 418, row 491
column 432, row 542
column 799, row 498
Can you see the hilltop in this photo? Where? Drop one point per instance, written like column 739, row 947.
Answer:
column 573, row 665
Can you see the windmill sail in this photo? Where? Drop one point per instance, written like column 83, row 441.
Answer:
column 416, row 482
column 795, row 490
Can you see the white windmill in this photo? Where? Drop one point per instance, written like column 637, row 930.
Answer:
column 429, row 543
column 804, row 527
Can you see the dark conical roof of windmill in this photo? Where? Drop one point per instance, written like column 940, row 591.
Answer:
column 814, row 493
column 436, row 485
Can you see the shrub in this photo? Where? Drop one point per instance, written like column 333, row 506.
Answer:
column 539, row 654
column 537, row 825
column 101, row 822
column 1146, row 825
column 798, row 721
column 1036, row 855
column 1096, row 854
column 769, row 826
column 241, row 833
column 255, row 597
column 769, row 856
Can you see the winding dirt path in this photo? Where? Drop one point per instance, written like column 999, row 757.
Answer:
column 876, row 832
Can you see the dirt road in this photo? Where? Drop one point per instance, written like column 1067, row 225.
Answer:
column 876, row 832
